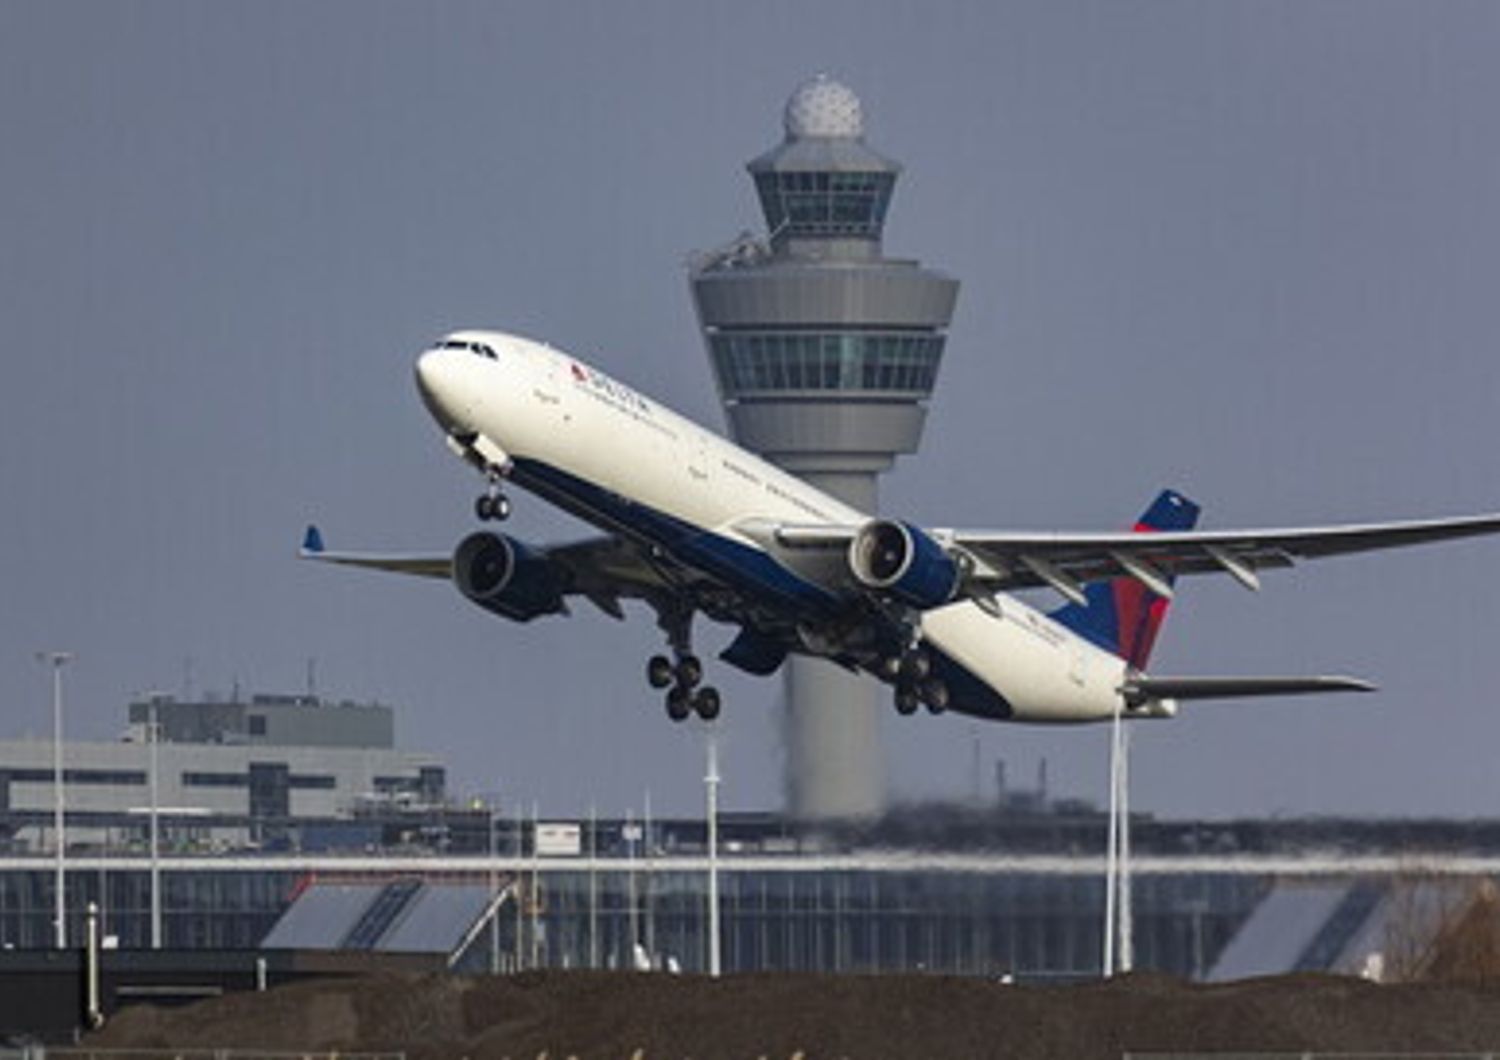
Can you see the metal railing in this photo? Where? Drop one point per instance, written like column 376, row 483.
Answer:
column 78, row 1053
column 1310, row 1055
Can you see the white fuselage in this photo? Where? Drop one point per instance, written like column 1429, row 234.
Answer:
column 531, row 405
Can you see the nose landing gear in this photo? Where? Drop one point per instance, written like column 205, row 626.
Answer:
column 492, row 504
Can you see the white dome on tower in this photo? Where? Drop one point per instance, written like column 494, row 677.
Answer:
column 823, row 107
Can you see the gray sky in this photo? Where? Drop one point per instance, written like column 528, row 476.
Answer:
column 1249, row 250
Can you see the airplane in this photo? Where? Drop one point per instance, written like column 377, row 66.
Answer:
column 693, row 524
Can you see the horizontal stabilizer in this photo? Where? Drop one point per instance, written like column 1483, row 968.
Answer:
column 1143, row 689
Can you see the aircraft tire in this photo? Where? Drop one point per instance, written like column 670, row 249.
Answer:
column 907, row 701
column 706, row 703
column 935, row 694
column 679, row 704
column 916, row 665
column 689, row 671
column 659, row 672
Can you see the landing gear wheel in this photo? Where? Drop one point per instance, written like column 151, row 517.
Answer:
column 934, row 693
column 492, row 506
column 907, row 701
column 706, row 703
column 659, row 671
column 689, row 671
column 916, row 665
column 679, row 704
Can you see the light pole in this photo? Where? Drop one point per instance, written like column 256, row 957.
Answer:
column 1111, row 875
column 1119, row 927
column 57, row 659
column 494, row 812
column 153, row 736
column 1127, row 915
column 593, row 887
column 711, row 782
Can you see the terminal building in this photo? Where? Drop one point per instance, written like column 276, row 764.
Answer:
column 1014, row 887
column 219, row 775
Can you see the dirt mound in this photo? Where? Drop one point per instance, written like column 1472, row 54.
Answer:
column 605, row 1015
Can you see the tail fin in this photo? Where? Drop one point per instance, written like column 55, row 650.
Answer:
column 1123, row 616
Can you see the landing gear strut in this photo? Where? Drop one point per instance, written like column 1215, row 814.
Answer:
column 682, row 674
column 911, row 673
column 492, row 504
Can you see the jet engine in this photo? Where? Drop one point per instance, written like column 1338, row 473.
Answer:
column 904, row 561
column 507, row 577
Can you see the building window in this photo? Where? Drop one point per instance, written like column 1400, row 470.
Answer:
column 891, row 362
column 257, row 725
column 120, row 777
column 825, row 204
column 312, row 781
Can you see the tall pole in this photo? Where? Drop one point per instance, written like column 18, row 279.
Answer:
column 57, row 659
column 648, row 895
column 632, row 903
column 1127, row 921
column 153, row 735
column 520, row 880
column 494, row 888
column 536, row 888
column 711, row 782
column 1111, row 873
column 593, row 887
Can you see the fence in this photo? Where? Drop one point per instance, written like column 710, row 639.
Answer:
column 71, row 1053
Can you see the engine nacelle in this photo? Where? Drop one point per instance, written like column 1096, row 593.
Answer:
column 506, row 577
column 903, row 560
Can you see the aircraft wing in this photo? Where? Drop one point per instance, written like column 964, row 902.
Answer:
column 1066, row 561
column 603, row 569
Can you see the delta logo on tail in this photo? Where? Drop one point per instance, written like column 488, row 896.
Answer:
column 1122, row 615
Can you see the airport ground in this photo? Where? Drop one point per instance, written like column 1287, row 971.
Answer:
column 646, row 1016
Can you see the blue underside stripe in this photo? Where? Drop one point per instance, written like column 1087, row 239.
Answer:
column 748, row 569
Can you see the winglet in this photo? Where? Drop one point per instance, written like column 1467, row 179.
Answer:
column 312, row 541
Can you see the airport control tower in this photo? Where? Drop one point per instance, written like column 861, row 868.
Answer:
column 825, row 352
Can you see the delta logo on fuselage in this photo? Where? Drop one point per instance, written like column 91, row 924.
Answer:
column 616, row 392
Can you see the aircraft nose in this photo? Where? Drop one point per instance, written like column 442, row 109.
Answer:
column 438, row 384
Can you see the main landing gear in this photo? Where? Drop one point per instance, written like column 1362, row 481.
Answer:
column 684, row 696
column 492, row 504
column 682, row 674
column 911, row 673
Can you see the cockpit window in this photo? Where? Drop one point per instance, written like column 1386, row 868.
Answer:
column 473, row 347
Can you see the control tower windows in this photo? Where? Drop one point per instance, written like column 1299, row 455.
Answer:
column 890, row 362
column 825, row 204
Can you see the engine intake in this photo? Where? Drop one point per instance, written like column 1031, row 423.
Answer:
column 507, row 577
column 903, row 560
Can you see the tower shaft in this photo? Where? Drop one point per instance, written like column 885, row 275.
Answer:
column 825, row 352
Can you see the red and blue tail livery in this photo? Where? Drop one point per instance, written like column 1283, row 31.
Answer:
column 1122, row 615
